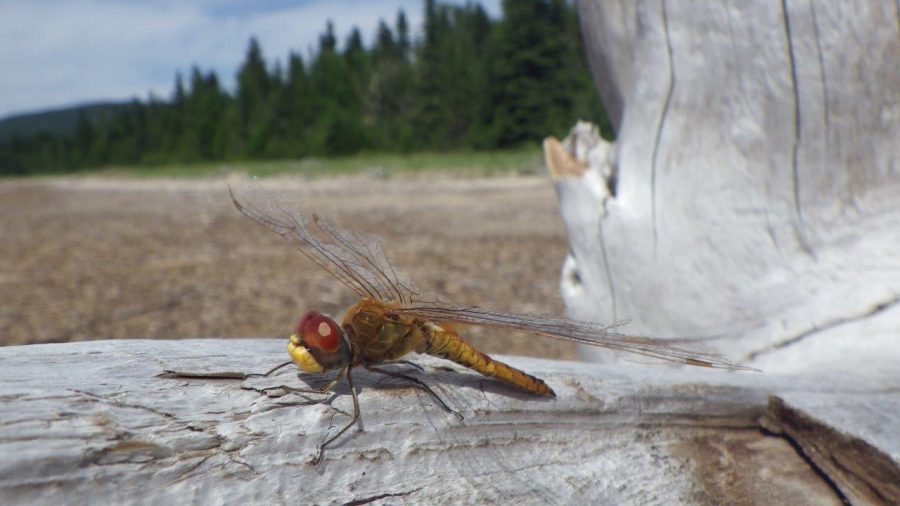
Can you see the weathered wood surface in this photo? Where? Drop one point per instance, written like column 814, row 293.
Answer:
column 97, row 423
column 752, row 191
column 750, row 201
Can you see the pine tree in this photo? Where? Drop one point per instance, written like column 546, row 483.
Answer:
column 84, row 138
column 389, row 99
column 292, row 112
column 204, row 109
column 385, row 47
column 452, row 76
column 335, row 101
column 356, row 56
column 327, row 41
column 253, row 95
column 156, row 149
column 469, row 63
column 127, row 135
column 174, row 119
column 403, row 42
column 430, row 78
column 532, row 72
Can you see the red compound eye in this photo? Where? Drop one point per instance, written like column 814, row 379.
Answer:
column 319, row 331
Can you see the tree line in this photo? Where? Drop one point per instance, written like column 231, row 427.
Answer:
column 469, row 82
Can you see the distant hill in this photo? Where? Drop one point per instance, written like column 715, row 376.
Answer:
column 56, row 122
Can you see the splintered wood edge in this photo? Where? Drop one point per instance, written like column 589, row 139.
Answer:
column 861, row 471
column 561, row 164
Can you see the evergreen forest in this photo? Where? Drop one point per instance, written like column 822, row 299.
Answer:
column 469, row 82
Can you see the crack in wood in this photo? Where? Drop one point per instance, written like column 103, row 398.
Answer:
column 826, row 103
column 662, row 121
column 130, row 449
column 119, row 404
column 722, row 464
column 371, row 499
column 186, row 474
column 851, row 467
column 819, row 472
column 816, row 329
column 799, row 226
column 609, row 275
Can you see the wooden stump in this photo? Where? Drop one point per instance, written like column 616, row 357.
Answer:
column 750, row 204
column 752, row 196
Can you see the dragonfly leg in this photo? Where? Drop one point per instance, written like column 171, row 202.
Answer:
column 355, row 418
column 419, row 383
column 324, row 390
column 270, row 371
column 406, row 362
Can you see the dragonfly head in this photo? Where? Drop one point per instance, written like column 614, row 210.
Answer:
column 318, row 344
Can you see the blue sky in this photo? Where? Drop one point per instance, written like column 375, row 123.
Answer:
column 55, row 53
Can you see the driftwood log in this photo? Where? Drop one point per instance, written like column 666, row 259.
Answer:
column 103, row 423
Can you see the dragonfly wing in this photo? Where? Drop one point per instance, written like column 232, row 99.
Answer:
column 357, row 260
column 367, row 249
column 581, row 332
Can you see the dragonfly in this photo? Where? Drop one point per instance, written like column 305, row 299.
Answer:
column 392, row 320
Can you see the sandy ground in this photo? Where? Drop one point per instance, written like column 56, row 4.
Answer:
column 95, row 258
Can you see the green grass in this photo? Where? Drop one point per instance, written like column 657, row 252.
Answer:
column 460, row 162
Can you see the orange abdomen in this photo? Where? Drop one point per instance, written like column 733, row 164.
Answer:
column 444, row 343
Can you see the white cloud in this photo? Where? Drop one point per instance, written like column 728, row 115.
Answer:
column 59, row 52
